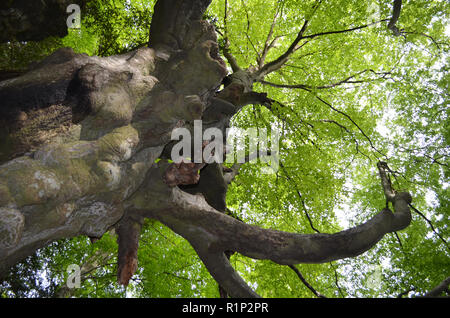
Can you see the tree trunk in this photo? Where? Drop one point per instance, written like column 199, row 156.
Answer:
column 81, row 136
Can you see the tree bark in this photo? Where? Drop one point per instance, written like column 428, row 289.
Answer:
column 439, row 289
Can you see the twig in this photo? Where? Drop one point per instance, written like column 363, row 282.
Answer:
column 300, row 276
column 312, row 36
column 301, row 199
column 431, row 225
column 336, row 280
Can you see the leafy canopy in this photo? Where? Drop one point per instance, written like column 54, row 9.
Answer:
column 361, row 95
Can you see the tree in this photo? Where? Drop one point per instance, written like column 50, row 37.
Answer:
column 86, row 140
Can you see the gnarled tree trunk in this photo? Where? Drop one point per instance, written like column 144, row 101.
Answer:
column 80, row 139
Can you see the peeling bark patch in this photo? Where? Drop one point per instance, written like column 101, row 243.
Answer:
column 11, row 227
column 28, row 131
column 182, row 173
column 47, row 184
column 65, row 210
column 49, row 180
column 128, row 239
column 98, row 216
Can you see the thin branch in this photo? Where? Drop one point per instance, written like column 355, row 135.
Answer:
column 431, row 225
column 332, row 85
column 353, row 122
column 225, row 20
column 253, row 46
column 269, row 44
column 433, row 160
column 423, row 34
column 398, row 240
column 336, row 281
column 300, row 197
column 248, row 27
column 312, row 36
column 226, row 49
column 350, row 133
column 300, row 276
column 277, row 63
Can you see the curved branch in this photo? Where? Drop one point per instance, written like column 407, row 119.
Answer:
column 192, row 218
column 212, row 232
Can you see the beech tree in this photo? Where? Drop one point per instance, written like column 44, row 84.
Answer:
column 356, row 88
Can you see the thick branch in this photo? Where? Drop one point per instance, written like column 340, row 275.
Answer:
column 439, row 289
column 395, row 15
column 385, row 181
column 231, row 59
column 212, row 233
column 220, row 268
column 191, row 217
column 172, row 19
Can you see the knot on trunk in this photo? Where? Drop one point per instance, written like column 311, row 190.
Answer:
column 182, row 173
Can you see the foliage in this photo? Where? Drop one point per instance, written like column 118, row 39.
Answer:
column 386, row 100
